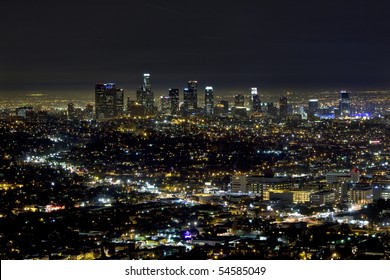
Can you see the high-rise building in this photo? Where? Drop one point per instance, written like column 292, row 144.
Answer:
column 145, row 95
column 222, row 108
column 134, row 108
column 255, row 100
column 270, row 109
column 71, row 111
column 239, row 100
column 283, row 108
column 119, row 102
column 165, row 101
column 88, row 112
column 108, row 100
column 312, row 108
column 209, row 100
column 147, row 83
column 174, row 97
column 344, row 103
column 191, row 97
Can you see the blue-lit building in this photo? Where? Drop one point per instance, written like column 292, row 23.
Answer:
column 313, row 107
column 239, row 100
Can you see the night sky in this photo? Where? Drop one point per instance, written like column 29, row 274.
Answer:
column 70, row 45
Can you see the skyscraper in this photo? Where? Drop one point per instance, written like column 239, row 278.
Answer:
column 209, row 100
column 344, row 103
column 191, row 97
column 165, row 101
column 145, row 95
column 71, row 111
column 312, row 108
column 239, row 100
column 255, row 100
column 119, row 102
column 108, row 100
column 283, row 108
column 88, row 112
column 174, row 97
column 222, row 108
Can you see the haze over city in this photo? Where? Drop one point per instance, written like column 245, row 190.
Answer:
column 68, row 46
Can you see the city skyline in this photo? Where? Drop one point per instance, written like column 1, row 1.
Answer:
column 195, row 130
column 268, row 44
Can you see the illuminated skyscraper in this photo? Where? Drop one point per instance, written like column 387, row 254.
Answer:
column 147, row 83
column 119, row 102
column 108, row 100
column 255, row 100
column 283, row 108
column 222, row 108
column 145, row 94
column 239, row 100
column 191, row 97
column 174, row 98
column 71, row 111
column 312, row 108
column 344, row 103
column 209, row 100
column 165, row 101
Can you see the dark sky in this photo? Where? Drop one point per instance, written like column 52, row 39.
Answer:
column 274, row 44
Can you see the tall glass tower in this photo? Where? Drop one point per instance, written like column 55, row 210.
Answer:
column 344, row 103
column 174, row 97
column 255, row 100
column 191, row 97
column 209, row 100
column 145, row 95
column 283, row 108
column 108, row 100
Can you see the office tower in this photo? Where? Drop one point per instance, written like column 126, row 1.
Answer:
column 344, row 103
column 255, row 100
column 119, row 102
column 147, row 83
column 239, row 100
column 222, row 108
column 88, row 112
column 129, row 103
column 71, row 111
column 135, row 109
column 283, row 108
column 272, row 111
column 174, row 97
column 191, row 97
column 108, row 100
column 145, row 94
column 209, row 100
column 225, row 104
column 165, row 101
column 312, row 108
